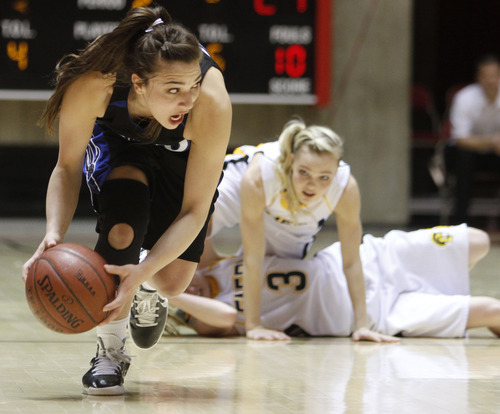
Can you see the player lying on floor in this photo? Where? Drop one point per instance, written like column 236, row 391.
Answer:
column 417, row 284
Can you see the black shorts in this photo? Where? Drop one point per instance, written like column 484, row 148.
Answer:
column 165, row 170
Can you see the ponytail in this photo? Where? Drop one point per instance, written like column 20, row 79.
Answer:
column 134, row 46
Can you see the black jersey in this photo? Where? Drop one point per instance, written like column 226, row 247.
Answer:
column 116, row 120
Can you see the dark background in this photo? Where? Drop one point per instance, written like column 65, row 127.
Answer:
column 449, row 36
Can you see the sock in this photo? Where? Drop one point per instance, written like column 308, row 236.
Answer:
column 113, row 334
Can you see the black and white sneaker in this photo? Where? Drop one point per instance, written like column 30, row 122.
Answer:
column 148, row 316
column 108, row 368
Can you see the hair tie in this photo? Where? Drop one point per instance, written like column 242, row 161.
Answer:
column 155, row 23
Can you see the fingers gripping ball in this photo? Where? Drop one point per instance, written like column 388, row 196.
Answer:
column 67, row 287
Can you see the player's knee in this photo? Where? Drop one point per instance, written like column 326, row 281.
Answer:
column 121, row 236
column 170, row 286
column 123, row 220
column 492, row 307
column 479, row 245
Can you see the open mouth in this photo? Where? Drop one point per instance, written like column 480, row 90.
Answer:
column 177, row 117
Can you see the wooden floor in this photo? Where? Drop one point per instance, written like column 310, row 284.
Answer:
column 40, row 371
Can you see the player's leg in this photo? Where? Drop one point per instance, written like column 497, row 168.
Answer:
column 173, row 279
column 484, row 312
column 148, row 312
column 123, row 218
column 479, row 245
column 147, row 318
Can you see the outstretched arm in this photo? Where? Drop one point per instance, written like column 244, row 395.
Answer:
column 350, row 234
column 209, row 317
column 85, row 99
column 208, row 129
column 253, row 237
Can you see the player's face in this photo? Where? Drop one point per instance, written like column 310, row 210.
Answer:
column 171, row 93
column 312, row 174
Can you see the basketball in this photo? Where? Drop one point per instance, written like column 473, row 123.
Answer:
column 67, row 287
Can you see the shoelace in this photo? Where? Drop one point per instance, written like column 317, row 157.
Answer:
column 103, row 365
column 146, row 308
column 109, row 363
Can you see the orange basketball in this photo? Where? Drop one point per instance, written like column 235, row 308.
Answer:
column 67, row 287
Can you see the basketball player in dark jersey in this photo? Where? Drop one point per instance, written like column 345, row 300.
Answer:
column 144, row 111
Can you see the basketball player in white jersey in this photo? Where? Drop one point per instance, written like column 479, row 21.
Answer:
column 280, row 194
column 417, row 284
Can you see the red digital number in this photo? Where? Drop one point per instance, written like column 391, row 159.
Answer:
column 263, row 8
column 290, row 60
column 301, row 6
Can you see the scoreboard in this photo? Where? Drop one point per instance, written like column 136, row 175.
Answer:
column 271, row 51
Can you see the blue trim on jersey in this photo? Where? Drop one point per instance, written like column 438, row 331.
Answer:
column 119, row 104
column 96, row 166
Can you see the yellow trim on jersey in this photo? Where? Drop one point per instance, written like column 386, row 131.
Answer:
column 239, row 151
column 214, row 286
column 328, row 203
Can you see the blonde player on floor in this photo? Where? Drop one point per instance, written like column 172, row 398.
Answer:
column 280, row 193
column 417, row 284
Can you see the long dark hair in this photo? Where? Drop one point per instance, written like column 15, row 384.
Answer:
column 145, row 35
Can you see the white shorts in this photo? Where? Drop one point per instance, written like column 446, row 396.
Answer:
column 417, row 282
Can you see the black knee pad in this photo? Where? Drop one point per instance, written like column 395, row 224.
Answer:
column 122, row 201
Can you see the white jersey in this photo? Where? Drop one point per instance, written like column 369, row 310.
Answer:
column 283, row 237
column 417, row 284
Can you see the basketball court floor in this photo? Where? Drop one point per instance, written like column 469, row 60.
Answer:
column 40, row 371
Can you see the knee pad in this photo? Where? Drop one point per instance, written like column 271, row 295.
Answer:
column 122, row 201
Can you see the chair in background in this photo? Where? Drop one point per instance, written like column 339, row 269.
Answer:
column 424, row 116
column 424, row 135
column 440, row 165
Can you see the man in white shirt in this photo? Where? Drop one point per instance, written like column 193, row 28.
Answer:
column 475, row 129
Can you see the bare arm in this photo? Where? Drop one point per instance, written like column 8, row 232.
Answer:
column 253, row 238
column 350, row 234
column 207, row 316
column 85, row 99
column 480, row 143
column 209, row 129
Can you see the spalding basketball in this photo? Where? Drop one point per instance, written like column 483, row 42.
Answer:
column 67, row 287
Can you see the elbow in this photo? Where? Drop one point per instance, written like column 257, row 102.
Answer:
column 228, row 318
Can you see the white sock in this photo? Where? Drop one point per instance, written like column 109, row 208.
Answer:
column 114, row 333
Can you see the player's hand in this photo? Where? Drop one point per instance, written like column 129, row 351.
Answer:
column 131, row 278
column 47, row 242
column 261, row 333
column 365, row 334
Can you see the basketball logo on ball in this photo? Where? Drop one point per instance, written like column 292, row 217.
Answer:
column 67, row 287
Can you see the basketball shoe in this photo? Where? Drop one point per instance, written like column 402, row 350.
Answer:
column 148, row 316
column 108, row 368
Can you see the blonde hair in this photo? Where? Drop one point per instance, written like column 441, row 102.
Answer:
column 295, row 134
